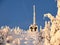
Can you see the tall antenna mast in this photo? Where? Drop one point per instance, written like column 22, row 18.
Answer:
column 34, row 15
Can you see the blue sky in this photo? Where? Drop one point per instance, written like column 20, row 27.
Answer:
column 20, row 12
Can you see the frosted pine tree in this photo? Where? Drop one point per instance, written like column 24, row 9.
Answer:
column 47, row 33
